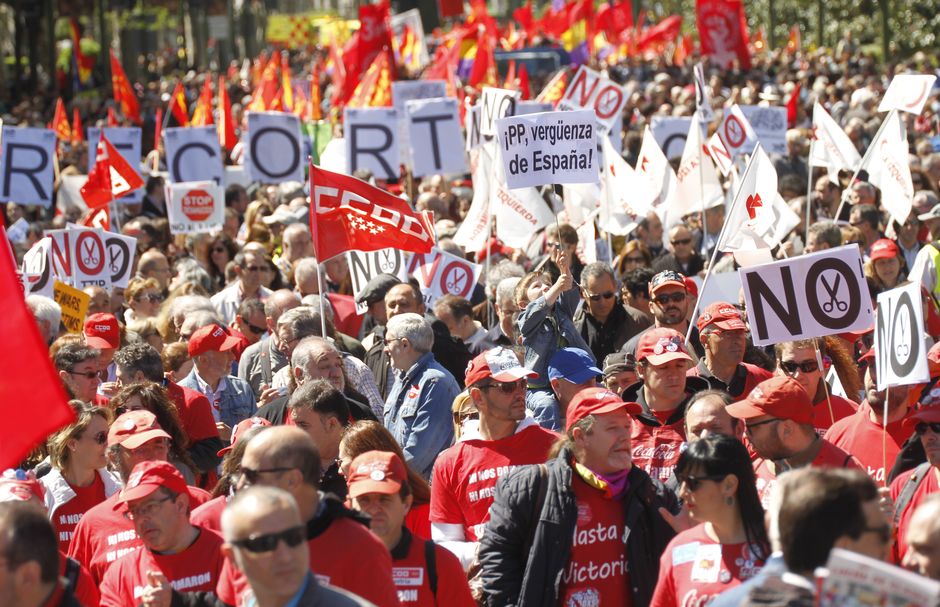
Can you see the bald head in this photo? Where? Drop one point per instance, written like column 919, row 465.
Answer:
column 923, row 539
column 288, row 448
column 402, row 299
column 276, row 304
column 247, row 507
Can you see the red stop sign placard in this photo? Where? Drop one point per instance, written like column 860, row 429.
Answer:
column 198, row 205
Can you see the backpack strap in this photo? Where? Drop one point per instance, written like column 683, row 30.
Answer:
column 907, row 491
column 72, row 571
column 430, row 563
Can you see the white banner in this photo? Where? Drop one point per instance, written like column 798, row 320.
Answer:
column 274, row 151
column 807, row 296
column 195, row 207
column 193, row 154
column 496, row 104
column 26, row 165
column 590, row 90
column 126, row 139
column 770, row 125
column 736, row 133
column 371, row 136
column 552, row 147
column 900, row 352
column 436, row 141
column 907, row 93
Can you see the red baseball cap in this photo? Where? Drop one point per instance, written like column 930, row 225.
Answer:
column 780, row 396
column 661, row 345
column 690, row 286
column 20, row 486
column 211, row 338
column 666, row 278
column 134, row 428
column 102, row 331
column 723, row 315
column 924, row 414
column 240, row 428
column 596, row 401
column 869, row 355
column 376, row 472
column 883, row 248
column 147, row 477
column 500, row 363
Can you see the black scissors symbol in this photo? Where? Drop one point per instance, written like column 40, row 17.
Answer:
column 834, row 302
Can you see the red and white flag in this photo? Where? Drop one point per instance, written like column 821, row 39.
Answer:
column 888, row 168
column 832, row 148
column 722, row 30
column 697, row 184
column 736, row 132
column 653, row 166
column 111, row 178
column 907, row 93
column 349, row 214
column 752, row 214
column 97, row 218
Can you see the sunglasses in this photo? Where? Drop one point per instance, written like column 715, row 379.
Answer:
column 791, row 366
column 506, row 387
column 922, row 427
column 694, row 482
column 599, row 296
column 293, row 537
column 682, row 241
column 100, row 438
column 253, row 476
column 90, row 374
column 748, row 428
column 151, row 297
column 256, row 268
column 673, row 298
column 256, row 330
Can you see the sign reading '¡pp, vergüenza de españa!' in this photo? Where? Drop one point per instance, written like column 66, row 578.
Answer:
column 551, row 147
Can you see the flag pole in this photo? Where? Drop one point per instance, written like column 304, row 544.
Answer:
column 864, row 162
column 489, row 253
column 701, row 186
column 321, row 268
column 809, row 194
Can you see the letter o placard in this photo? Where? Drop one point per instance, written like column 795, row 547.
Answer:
column 842, row 318
column 903, row 366
column 119, row 257
column 89, row 253
column 292, row 146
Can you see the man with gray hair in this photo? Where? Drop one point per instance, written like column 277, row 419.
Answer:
column 504, row 332
column 260, row 361
column 603, row 321
column 48, row 316
column 821, row 236
column 249, row 265
column 417, row 410
column 306, row 277
column 296, row 244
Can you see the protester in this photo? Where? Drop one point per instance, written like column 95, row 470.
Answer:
column 603, row 323
column 723, row 335
column 669, row 303
column 570, row 370
column 683, row 259
column 260, row 361
column 249, row 266
column 707, row 414
column 922, row 539
column 80, row 370
column 322, row 411
column 619, row 371
column 914, row 487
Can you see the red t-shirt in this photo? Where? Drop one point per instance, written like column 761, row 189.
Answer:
column 829, row 456
column 927, row 486
column 410, row 575
column 195, row 569
column 86, row 591
column 418, row 521
column 841, row 408
column 858, row 435
column 465, row 475
column 66, row 517
column 597, row 572
column 209, row 515
column 195, row 412
column 694, row 569
column 656, row 448
column 103, row 535
column 346, row 555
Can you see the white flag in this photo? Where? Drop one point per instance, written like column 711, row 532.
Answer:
column 888, row 169
column 752, row 210
column 736, row 132
column 472, row 232
column 703, row 103
column 653, row 166
column 622, row 194
column 697, row 184
column 720, row 154
column 907, row 93
column 832, row 149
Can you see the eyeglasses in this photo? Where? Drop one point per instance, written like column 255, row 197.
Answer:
column 253, row 476
column 694, row 482
column 673, row 298
column 293, row 537
column 883, row 531
column 256, row 330
column 506, row 387
column 90, row 374
column 599, row 296
column 256, row 268
column 146, row 511
column 748, row 428
column 100, row 438
column 151, row 297
column 790, row 367
column 681, row 241
column 922, row 427
column 388, row 340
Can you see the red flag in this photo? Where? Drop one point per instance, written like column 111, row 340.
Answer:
column 178, row 108
column 792, row 106
column 60, row 122
column 112, row 177
column 263, row 99
column 449, row 8
column 349, row 214
column 32, row 400
column 157, row 128
column 663, row 32
column 97, row 218
column 112, row 117
column 78, row 135
column 227, row 136
column 123, row 92
column 483, row 72
column 316, row 109
column 524, row 86
column 794, row 42
column 722, row 28
column 375, row 88
column 523, row 16
column 202, row 114
column 614, row 18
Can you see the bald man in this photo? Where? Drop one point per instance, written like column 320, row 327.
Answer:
column 923, row 539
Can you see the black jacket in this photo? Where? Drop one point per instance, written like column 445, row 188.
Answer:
column 515, row 574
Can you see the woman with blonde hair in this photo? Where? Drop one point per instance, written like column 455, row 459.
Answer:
column 142, row 298
column 79, row 478
column 885, row 266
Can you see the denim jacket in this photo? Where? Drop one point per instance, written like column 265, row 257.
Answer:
column 236, row 403
column 418, row 412
column 542, row 329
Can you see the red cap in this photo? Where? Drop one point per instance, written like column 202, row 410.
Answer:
column 883, row 248
column 500, row 363
column 135, row 428
column 240, row 428
column 925, row 414
column 690, row 286
column 868, row 356
column 147, row 477
column 723, row 315
column 20, row 486
column 211, row 338
column 666, row 278
column 376, row 472
column 595, row 401
column 102, row 331
column 661, row 345
column 933, row 360
column 780, row 396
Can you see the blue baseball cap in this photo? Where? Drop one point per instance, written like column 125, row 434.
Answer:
column 574, row 365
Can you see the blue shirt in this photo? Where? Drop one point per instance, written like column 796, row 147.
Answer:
column 545, row 330
column 418, row 412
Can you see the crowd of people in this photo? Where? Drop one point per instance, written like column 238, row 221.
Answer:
column 576, row 432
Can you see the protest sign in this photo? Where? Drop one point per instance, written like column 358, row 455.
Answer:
column 37, row 263
column 851, row 578
column 193, row 154
column 770, row 126
column 808, row 296
column 363, row 267
column 907, row 93
column 551, row 147
column 127, row 142
column 26, row 165
column 472, row 122
column 670, row 134
column 434, row 132
column 275, row 153
column 716, row 150
column 533, row 107
column 195, row 207
column 372, row 141
column 591, row 90
column 60, row 253
column 736, row 133
column 404, row 91
column 441, row 273
column 89, row 259
column 496, row 104
column 74, row 304
column 121, row 251
column 899, row 338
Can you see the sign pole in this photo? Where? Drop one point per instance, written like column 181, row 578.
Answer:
column 868, row 152
column 884, row 436
column 819, row 362
column 321, row 267
column 809, row 193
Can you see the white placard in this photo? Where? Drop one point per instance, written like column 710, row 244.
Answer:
column 193, row 154
column 126, row 140
column 472, row 121
column 90, row 258
column 404, row 91
column 736, row 133
column 195, row 207
column 496, row 104
column 770, row 125
column 274, row 151
column 436, row 140
column 808, row 296
column 533, row 107
column 121, row 252
column 670, row 134
column 363, row 267
column 441, row 273
column 26, row 165
column 37, row 262
column 371, row 138
column 590, row 90
column 551, row 147
column 900, row 352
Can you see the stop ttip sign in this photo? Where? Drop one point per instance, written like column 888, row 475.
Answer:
column 198, row 205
